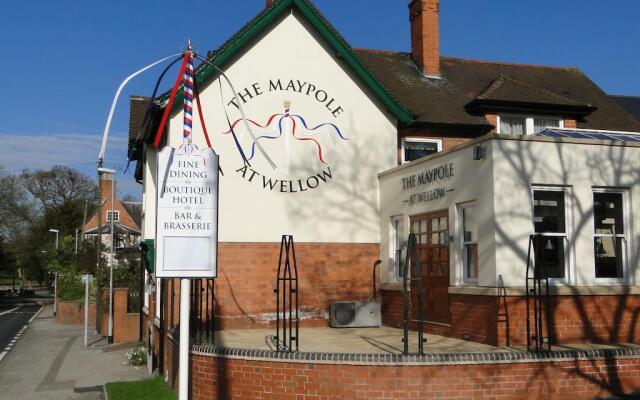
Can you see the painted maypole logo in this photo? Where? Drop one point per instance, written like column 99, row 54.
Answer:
column 291, row 134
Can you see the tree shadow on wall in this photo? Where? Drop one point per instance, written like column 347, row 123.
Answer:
column 607, row 165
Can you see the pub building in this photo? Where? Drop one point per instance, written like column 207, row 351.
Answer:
column 351, row 150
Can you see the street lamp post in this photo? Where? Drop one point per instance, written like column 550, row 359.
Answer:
column 55, row 277
column 113, row 192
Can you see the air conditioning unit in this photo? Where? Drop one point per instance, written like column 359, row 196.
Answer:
column 355, row 314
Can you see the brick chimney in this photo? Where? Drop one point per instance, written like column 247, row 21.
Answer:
column 425, row 41
column 105, row 185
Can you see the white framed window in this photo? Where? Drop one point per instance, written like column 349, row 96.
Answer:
column 415, row 148
column 610, row 227
column 397, row 246
column 116, row 216
column 468, row 214
column 514, row 124
column 551, row 210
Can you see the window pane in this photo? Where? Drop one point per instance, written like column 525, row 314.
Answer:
column 512, row 125
column 443, row 223
column 471, row 261
column 423, row 226
column 469, row 224
column 414, row 150
column 550, row 256
column 608, row 252
column 607, row 211
column 548, row 211
column 541, row 123
column 396, row 251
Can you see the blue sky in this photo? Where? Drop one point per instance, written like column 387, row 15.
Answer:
column 63, row 59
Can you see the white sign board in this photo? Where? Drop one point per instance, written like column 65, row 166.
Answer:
column 187, row 213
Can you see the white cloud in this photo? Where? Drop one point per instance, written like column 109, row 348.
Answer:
column 79, row 151
column 18, row 152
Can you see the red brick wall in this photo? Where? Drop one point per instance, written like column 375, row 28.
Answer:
column 570, row 123
column 72, row 312
column 247, row 276
column 391, row 308
column 219, row 378
column 126, row 326
column 502, row 320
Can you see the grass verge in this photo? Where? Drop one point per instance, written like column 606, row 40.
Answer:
column 148, row 389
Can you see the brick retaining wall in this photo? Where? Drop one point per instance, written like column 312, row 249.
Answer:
column 72, row 312
column 223, row 374
column 125, row 325
column 501, row 321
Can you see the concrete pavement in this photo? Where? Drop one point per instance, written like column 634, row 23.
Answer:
column 49, row 362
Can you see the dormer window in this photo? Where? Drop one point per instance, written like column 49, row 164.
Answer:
column 512, row 124
column 415, row 148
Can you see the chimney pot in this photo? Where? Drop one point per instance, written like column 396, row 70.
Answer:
column 425, row 41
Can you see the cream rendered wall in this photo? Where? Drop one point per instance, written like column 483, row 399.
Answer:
column 149, row 195
column 346, row 208
column 580, row 167
column 471, row 182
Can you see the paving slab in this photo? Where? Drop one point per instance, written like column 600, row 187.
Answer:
column 50, row 362
column 350, row 340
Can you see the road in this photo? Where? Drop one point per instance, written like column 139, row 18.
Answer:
column 13, row 319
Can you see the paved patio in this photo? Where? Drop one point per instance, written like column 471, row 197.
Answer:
column 350, row 340
column 374, row 341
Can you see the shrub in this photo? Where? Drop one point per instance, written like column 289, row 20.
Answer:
column 70, row 288
column 137, row 356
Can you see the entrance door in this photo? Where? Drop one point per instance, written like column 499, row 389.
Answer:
column 432, row 234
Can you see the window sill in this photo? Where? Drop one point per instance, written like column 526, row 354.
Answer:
column 397, row 286
column 600, row 290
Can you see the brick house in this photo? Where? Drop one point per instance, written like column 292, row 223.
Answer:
column 384, row 115
column 126, row 218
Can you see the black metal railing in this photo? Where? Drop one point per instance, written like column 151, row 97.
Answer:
column 202, row 325
column 412, row 272
column 133, row 300
column 287, row 318
column 537, row 297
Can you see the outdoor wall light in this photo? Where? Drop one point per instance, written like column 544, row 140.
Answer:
column 549, row 245
column 479, row 152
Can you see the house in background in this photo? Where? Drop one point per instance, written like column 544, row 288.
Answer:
column 126, row 219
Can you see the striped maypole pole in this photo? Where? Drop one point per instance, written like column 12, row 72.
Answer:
column 187, row 84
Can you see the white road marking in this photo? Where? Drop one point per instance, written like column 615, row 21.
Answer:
column 11, row 310
column 34, row 316
column 17, row 336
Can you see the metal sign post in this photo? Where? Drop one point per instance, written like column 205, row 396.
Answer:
column 186, row 229
column 186, row 214
column 86, row 279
